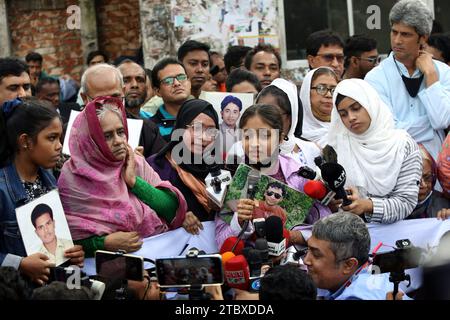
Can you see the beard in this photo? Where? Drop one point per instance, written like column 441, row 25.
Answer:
column 134, row 103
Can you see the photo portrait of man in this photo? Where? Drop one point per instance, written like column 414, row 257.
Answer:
column 52, row 246
column 274, row 194
column 231, row 108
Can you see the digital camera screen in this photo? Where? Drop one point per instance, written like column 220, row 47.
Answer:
column 115, row 266
column 182, row 272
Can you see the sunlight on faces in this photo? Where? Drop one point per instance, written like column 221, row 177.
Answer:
column 271, row 100
column 230, row 115
column 354, row 116
column 114, row 133
column 45, row 150
column 323, row 104
column 323, row 268
column 260, row 140
column 200, row 134
column 45, row 228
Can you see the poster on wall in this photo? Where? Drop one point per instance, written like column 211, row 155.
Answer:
column 223, row 23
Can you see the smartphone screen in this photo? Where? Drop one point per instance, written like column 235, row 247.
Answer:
column 184, row 272
column 110, row 265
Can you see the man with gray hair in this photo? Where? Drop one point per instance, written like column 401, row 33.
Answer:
column 338, row 260
column 410, row 82
column 106, row 80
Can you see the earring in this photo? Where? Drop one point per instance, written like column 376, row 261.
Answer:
column 286, row 138
column 25, row 147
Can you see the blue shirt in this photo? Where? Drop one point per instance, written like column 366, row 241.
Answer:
column 424, row 117
column 12, row 196
column 165, row 129
column 145, row 114
column 364, row 286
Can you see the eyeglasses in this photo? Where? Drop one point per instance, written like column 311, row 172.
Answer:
column 169, row 81
column 323, row 89
column 274, row 194
column 371, row 60
column 200, row 131
column 329, row 57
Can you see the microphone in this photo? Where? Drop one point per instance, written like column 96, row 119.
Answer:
column 334, row 175
column 252, row 186
column 260, row 227
column 274, row 235
column 232, row 244
column 227, row 256
column 216, row 183
column 237, row 273
column 309, row 173
column 319, row 191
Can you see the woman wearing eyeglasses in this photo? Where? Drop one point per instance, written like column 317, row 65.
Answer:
column 316, row 95
column 182, row 161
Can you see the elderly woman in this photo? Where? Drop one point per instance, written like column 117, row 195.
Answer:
column 98, row 190
column 383, row 164
column 316, row 95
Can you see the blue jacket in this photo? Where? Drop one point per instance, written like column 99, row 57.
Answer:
column 12, row 196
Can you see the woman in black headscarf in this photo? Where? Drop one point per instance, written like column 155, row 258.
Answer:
column 189, row 157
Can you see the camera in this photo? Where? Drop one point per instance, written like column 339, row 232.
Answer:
column 405, row 256
column 188, row 271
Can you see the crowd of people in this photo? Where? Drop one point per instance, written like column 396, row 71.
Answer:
column 385, row 121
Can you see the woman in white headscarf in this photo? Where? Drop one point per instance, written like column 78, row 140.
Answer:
column 283, row 94
column 316, row 95
column 383, row 164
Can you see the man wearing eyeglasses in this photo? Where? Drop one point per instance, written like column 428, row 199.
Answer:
column 361, row 56
column 171, row 83
column 326, row 49
column 273, row 196
column 415, row 86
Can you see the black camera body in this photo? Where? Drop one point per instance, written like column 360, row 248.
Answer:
column 405, row 256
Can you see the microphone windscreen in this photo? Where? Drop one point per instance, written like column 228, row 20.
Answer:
column 261, row 244
column 274, row 229
column 237, row 273
column 334, row 175
column 229, row 243
column 315, row 189
column 226, row 256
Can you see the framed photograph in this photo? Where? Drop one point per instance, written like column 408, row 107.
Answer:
column 273, row 198
column 44, row 227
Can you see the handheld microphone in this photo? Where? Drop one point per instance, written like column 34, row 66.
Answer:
column 216, row 183
column 274, row 235
column 252, row 186
column 260, row 227
column 232, row 244
column 319, row 191
column 227, row 256
column 262, row 247
column 334, row 175
column 237, row 273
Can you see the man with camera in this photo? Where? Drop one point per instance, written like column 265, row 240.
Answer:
column 338, row 260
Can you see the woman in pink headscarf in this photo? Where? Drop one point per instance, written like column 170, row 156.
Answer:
column 105, row 208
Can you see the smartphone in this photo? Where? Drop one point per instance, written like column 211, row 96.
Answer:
column 113, row 265
column 179, row 272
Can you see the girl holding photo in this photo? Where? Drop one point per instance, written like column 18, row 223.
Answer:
column 29, row 147
column 263, row 133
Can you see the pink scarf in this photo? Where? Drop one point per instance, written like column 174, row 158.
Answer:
column 95, row 197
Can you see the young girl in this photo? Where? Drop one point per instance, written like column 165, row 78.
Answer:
column 262, row 127
column 383, row 164
column 283, row 94
column 30, row 145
